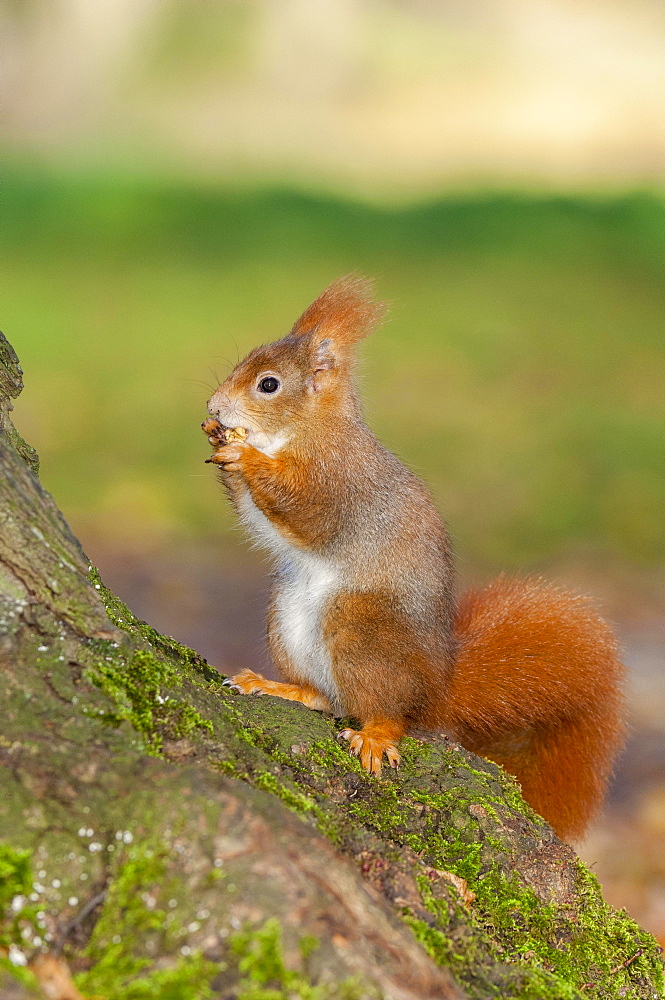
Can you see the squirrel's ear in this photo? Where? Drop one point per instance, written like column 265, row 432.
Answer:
column 342, row 315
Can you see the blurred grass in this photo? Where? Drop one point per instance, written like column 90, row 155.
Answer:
column 520, row 371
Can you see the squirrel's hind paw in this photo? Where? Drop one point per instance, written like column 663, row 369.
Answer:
column 370, row 747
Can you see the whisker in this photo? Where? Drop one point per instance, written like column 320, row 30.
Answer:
column 198, row 382
column 227, row 361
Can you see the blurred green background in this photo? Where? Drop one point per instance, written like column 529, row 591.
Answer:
column 520, row 371
column 180, row 179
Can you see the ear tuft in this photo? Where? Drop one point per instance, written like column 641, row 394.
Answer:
column 344, row 313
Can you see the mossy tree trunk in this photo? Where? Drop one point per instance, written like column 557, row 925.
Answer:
column 171, row 839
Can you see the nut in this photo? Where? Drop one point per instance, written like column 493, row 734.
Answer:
column 219, row 435
column 232, row 434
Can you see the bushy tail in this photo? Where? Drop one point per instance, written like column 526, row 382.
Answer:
column 537, row 689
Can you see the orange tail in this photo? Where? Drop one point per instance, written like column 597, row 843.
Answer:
column 537, row 689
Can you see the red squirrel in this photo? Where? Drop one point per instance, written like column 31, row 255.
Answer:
column 364, row 620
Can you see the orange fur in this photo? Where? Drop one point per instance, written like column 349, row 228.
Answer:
column 373, row 652
column 345, row 311
column 247, row 682
column 537, row 688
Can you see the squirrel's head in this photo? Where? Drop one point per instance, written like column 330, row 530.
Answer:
column 281, row 385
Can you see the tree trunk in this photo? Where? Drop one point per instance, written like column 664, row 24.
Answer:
column 163, row 837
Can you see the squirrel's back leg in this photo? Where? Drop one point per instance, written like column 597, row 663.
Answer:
column 383, row 681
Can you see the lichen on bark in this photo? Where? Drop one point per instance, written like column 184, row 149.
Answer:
column 167, row 821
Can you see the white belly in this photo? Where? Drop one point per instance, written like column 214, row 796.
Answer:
column 302, row 592
column 305, row 583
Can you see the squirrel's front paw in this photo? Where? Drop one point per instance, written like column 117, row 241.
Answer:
column 247, row 682
column 371, row 747
column 230, row 456
column 213, row 429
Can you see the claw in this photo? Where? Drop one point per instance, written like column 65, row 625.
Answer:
column 228, row 682
column 246, row 682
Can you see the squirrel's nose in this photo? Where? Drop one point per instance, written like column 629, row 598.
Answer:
column 217, row 402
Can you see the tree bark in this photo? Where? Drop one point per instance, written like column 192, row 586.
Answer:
column 167, row 838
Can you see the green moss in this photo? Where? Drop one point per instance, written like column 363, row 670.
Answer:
column 266, row 977
column 118, row 944
column 573, row 949
column 331, row 754
column 25, row 450
column 121, row 939
column 475, row 960
column 556, row 952
column 188, row 979
column 124, row 920
column 17, row 915
column 294, row 799
column 609, row 938
column 15, row 875
column 140, row 689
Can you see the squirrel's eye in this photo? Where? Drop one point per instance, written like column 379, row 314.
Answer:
column 269, row 384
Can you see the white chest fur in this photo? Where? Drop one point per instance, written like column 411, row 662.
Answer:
column 304, row 585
